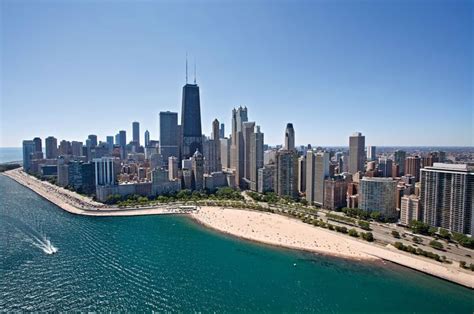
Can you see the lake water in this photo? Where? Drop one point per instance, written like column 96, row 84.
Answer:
column 170, row 263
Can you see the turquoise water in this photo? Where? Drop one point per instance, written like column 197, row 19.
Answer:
column 170, row 263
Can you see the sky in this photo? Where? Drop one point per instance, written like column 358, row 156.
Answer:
column 400, row 72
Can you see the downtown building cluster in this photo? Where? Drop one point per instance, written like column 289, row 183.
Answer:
column 399, row 186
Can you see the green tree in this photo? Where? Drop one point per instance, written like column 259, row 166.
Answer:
column 353, row 233
column 436, row 244
column 396, row 234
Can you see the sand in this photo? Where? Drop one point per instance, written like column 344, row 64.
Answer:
column 287, row 232
column 257, row 226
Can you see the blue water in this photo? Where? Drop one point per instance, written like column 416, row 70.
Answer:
column 166, row 263
column 8, row 154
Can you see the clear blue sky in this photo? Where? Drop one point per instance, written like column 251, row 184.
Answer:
column 401, row 72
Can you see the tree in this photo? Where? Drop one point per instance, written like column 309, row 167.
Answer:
column 417, row 240
column 395, row 234
column 368, row 236
column 364, row 224
column 419, row 227
column 353, row 233
column 444, row 234
column 462, row 264
column 436, row 244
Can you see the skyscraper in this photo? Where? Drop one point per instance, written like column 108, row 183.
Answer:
column 289, row 137
column 212, row 150
column 51, row 144
column 191, row 120
column 256, row 156
column 447, row 197
column 222, row 131
column 38, row 145
column 286, row 175
column 29, row 147
column 371, row 153
column 302, row 174
column 76, row 147
column 93, row 139
column 110, row 142
column 147, row 139
column 237, row 150
column 399, row 158
column 198, row 171
column 356, row 152
column 168, row 134
column 123, row 143
column 385, row 167
column 317, row 170
column 413, row 166
column 136, row 133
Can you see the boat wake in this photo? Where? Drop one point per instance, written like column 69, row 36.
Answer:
column 33, row 237
column 43, row 244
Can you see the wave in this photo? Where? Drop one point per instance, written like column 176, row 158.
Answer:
column 33, row 237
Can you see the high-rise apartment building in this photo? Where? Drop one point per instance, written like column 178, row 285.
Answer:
column 335, row 193
column 65, row 148
column 222, row 131
column 172, row 168
column 225, row 152
column 256, row 156
column 147, row 139
column 413, row 166
column 286, row 172
column 302, row 174
column 93, row 140
column 136, row 133
column 371, row 153
column 289, row 137
column 38, row 144
column 447, row 197
column 237, row 150
column 169, row 135
column 378, row 194
column 51, row 144
column 385, row 167
column 409, row 209
column 356, row 152
column 105, row 171
column 198, row 171
column 317, row 170
column 399, row 157
column 123, row 143
column 29, row 147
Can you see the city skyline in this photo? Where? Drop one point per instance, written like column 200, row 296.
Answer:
column 337, row 69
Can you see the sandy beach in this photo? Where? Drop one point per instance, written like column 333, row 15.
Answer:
column 287, row 232
column 268, row 228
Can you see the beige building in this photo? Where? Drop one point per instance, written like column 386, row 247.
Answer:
column 409, row 209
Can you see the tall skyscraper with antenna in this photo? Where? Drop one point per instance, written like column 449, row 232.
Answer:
column 191, row 118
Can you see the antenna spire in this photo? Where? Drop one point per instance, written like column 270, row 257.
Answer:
column 194, row 70
column 186, row 67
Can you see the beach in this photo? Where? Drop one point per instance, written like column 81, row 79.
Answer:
column 287, row 232
column 263, row 227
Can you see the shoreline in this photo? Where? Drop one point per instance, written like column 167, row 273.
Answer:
column 331, row 243
column 77, row 204
column 259, row 227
